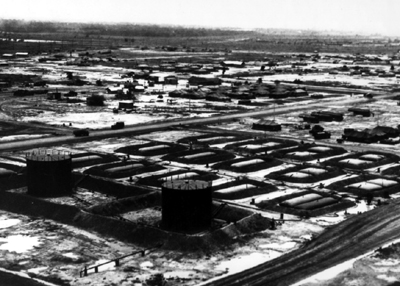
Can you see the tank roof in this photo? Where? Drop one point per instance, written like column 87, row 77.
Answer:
column 48, row 155
column 186, row 184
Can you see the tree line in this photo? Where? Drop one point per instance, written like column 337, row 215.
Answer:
column 123, row 29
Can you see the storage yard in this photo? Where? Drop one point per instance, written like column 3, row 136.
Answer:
column 137, row 166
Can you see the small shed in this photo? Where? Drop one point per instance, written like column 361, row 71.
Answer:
column 54, row 95
column 244, row 101
column 267, row 125
column 328, row 115
column 171, row 79
column 299, row 92
column 196, row 80
column 365, row 112
column 95, row 100
column 359, row 136
column 234, row 64
column 71, row 93
column 159, row 78
column 322, row 135
column 309, row 118
column 385, row 132
column 316, row 129
column 113, row 89
column 125, row 105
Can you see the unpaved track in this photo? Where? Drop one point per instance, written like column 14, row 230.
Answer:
column 355, row 236
column 8, row 279
column 155, row 126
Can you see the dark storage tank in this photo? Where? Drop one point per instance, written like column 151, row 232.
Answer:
column 186, row 205
column 49, row 173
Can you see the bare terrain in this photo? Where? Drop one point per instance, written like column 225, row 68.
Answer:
column 188, row 105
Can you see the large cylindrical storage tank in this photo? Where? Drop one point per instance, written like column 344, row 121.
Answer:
column 186, row 205
column 49, row 173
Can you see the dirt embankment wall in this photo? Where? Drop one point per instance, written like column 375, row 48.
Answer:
column 252, row 223
column 38, row 208
column 124, row 205
column 141, row 235
column 31, row 206
column 12, row 182
column 100, row 185
column 108, row 187
column 124, row 231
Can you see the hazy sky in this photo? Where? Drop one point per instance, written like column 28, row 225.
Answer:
column 371, row 16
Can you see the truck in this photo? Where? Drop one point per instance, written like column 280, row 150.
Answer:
column 81, row 132
column 317, row 95
column 118, row 125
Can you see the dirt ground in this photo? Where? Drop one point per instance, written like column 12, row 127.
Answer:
column 56, row 252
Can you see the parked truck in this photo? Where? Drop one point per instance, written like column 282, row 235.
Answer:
column 81, row 132
column 118, row 125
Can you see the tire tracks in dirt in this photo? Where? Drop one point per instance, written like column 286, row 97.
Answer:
column 353, row 237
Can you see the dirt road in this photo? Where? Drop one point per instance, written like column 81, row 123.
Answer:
column 150, row 127
column 8, row 279
column 355, row 236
